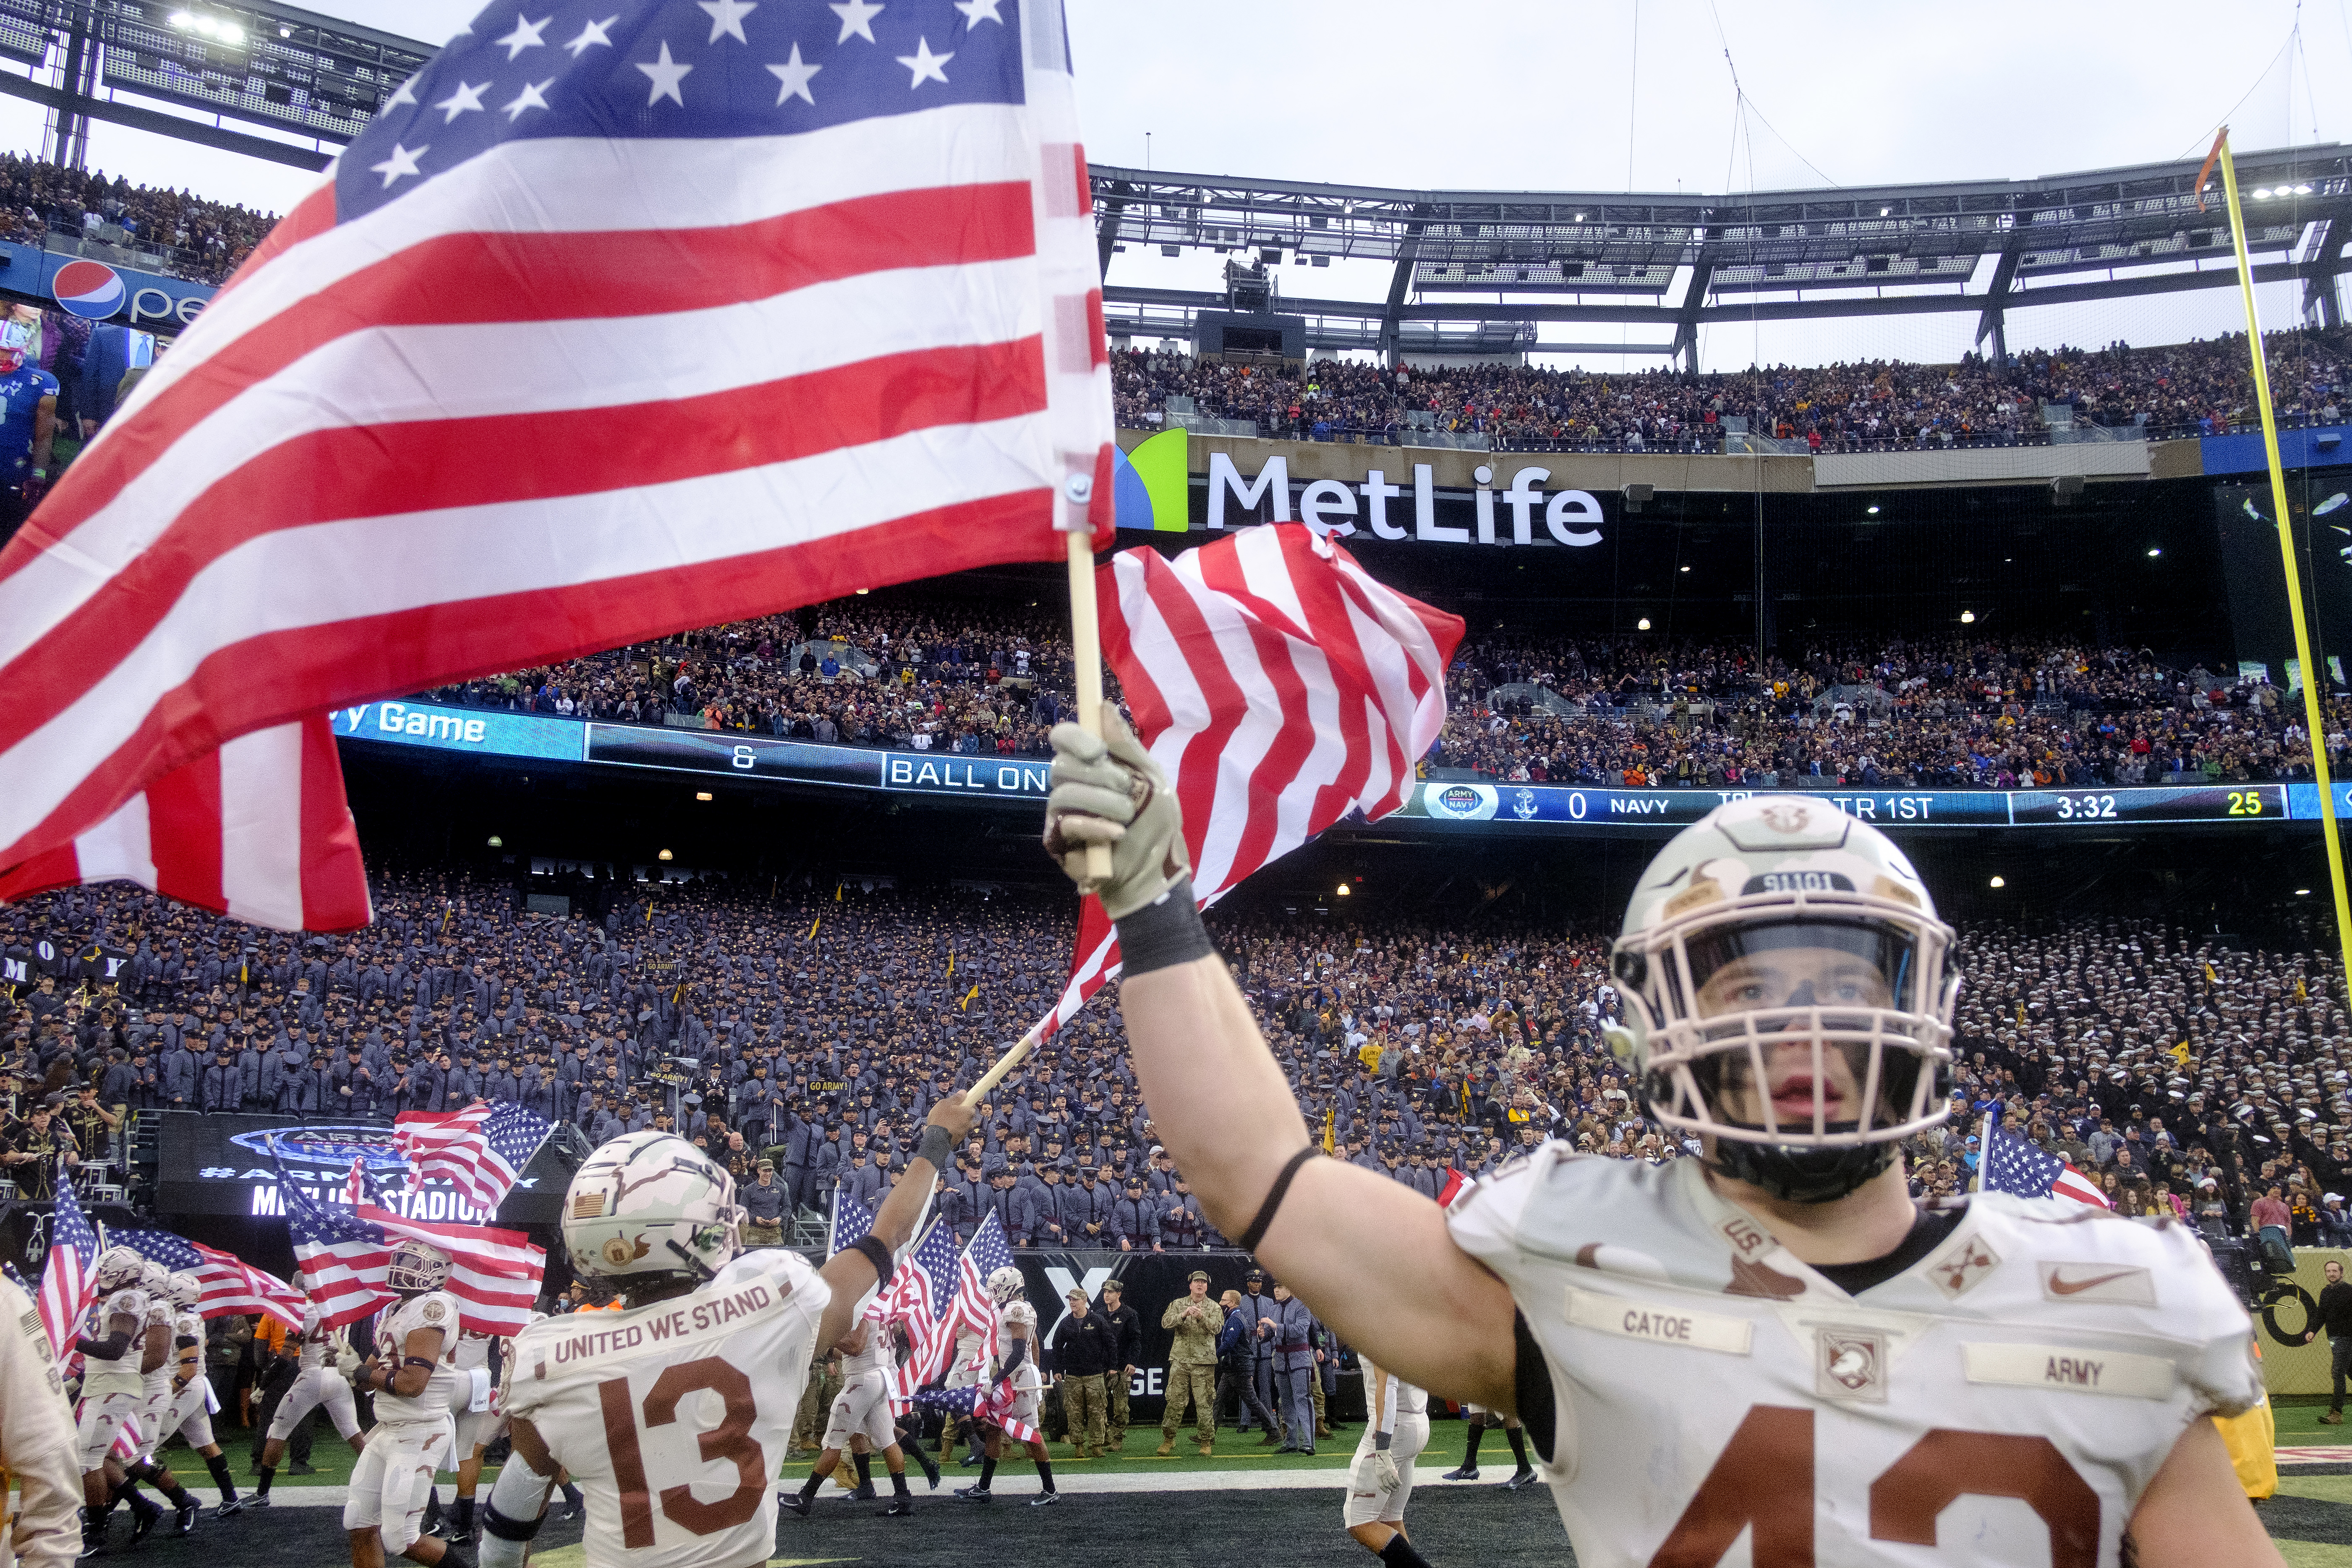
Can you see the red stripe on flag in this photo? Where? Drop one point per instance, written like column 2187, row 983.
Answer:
column 184, row 830
column 435, row 465
column 334, row 878
column 515, row 276
column 268, row 680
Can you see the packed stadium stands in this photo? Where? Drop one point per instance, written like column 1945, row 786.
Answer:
column 176, row 231
column 2184, row 389
column 820, row 1025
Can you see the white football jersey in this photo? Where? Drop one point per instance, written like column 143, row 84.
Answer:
column 2004, row 1399
column 1024, row 1376
column 875, row 1356
column 674, row 1417
column 433, row 1310
column 120, row 1375
column 313, row 1347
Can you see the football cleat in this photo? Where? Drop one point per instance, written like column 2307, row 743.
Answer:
column 1466, row 1473
column 258, row 1499
column 1045, row 1499
column 899, row 1508
column 793, row 1502
column 143, row 1520
column 975, row 1494
column 1520, row 1479
column 229, row 1508
column 184, row 1517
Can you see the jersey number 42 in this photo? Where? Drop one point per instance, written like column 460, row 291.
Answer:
column 1764, row 1478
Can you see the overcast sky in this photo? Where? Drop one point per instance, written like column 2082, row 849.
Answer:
column 1550, row 95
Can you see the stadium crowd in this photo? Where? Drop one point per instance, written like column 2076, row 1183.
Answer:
column 2195, row 388
column 198, row 240
column 814, row 1026
column 901, row 671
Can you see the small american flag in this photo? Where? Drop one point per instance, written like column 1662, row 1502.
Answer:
column 2011, row 1164
column 851, row 1219
column 1281, row 689
column 230, row 1284
column 973, row 1308
column 993, row 1405
column 482, row 1148
column 622, row 316
column 920, row 1293
column 345, row 1256
column 70, row 1274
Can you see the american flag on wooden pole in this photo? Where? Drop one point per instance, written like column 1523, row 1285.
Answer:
column 230, row 1285
column 625, row 317
column 920, row 1294
column 1280, row 687
column 69, row 1274
column 2007, row 1164
column 482, row 1148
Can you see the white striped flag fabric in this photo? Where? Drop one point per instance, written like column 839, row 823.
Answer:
column 494, row 1274
column 231, row 1285
column 973, row 1307
column 2007, row 1164
column 69, row 1274
column 258, row 830
column 991, row 1405
column 920, row 1293
column 630, row 316
column 481, row 1149
column 1457, row 1186
column 1280, row 687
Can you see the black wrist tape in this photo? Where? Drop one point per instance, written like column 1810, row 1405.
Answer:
column 1163, row 933
column 877, row 1254
column 935, row 1145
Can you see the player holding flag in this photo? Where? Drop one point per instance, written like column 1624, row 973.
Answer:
column 1880, row 1378
column 617, row 1398
column 316, row 1383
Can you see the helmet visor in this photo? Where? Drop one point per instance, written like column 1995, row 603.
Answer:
column 1802, row 962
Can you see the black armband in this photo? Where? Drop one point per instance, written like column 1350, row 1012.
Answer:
column 936, row 1144
column 878, row 1255
column 426, row 1361
column 1266, row 1211
column 1163, row 933
column 505, row 1529
column 110, row 1348
column 186, row 1341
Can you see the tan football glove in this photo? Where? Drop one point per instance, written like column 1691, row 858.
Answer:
column 1110, row 792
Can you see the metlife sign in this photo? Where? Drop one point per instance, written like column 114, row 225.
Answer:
column 1511, row 507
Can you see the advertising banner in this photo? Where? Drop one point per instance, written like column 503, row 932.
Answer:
column 101, row 290
column 222, row 1164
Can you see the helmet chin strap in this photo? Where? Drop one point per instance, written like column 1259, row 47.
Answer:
column 1800, row 1175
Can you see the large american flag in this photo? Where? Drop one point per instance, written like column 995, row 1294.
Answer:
column 2009, row 1164
column 482, row 1148
column 1281, row 689
column 920, row 1292
column 346, row 1254
column 991, row 1402
column 69, row 1274
column 622, row 316
column 973, row 1307
column 229, row 1283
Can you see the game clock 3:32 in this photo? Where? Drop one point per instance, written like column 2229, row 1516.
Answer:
column 2227, row 803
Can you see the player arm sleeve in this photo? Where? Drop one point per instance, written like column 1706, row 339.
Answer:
column 517, row 1507
column 1013, row 1357
column 114, row 1347
column 1531, row 1387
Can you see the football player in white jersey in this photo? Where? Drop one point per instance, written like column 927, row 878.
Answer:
column 189, row 1414
column 474, row 1409
column 673, row 1413
column 168, row 1295
column 1380, row 1478
column 1017, row 1347
column 860, row 1424
column 413, row 1374
column 1771, row 1340
column 317, row 1382
column 112, row 1389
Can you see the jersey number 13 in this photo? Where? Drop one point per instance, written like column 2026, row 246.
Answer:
column 732, row 1440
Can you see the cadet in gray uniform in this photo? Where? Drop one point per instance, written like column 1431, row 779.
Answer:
column 1259, row 1309
column 1294, row 1369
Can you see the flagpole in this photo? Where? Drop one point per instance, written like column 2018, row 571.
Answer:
column 1011, row 1059
column 1984, row 1147
column 2314, row 722
column 1086, row 651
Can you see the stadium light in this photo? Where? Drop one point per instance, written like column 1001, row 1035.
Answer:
column 2262, row 192
column 2154, row 554
column 864, row 591
column 1873, row 511
column 2303, row 892
column 1967, row 618
column 1685, row 568
column 1642, row 625
column 497, row 842
column 662, row 856
column 2000, row 881
column 1344, row 889
column 2302, row 190
column 702, row 794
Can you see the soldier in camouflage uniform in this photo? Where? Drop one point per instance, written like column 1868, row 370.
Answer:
column 816, row 1404
column 1194, row 1321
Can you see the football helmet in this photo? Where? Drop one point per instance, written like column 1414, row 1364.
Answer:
column 649, row 1209
column 1785, row 995
column 1004, row 1284
column 119, row 1268
column 155, row 1279
column 415, row 1268
column 185, row 1291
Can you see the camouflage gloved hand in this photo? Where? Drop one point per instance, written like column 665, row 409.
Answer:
column 1108, row 791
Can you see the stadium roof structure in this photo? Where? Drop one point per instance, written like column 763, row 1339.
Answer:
column 1682, row 261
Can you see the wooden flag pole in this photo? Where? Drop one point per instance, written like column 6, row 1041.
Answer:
column 1004, row 1064
column 1086, row 652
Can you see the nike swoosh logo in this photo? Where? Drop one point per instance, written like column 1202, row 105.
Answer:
column 2064, row 1287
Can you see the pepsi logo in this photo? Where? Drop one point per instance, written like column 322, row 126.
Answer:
column 90, row 290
